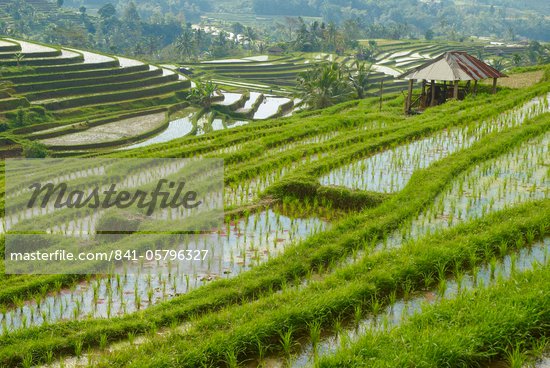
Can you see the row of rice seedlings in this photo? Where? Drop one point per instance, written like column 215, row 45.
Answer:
column 486, row 153
column 138, row 178
column 284, row 306
column 499, row 324
column 236, row 248
column 247, row 191
column 515, row 177
column 390, row 170
column 82, row 224
column 438, row 287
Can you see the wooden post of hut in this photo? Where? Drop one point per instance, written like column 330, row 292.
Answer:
column 452, row 67
column 432, row 102
column 423, row 98
column 455, row 91
column 409, row 97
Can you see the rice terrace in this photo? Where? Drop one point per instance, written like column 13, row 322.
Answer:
column 274, row 183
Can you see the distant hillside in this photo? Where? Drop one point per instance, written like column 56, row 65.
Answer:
column 503, row 19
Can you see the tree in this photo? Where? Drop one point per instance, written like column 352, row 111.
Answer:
column 131, row 14
column 203, row 94
column 497, row 64
column 324, row 85
column 34, row 149
column 107, row 11
column 250, row 35
column 237, row 28
column 185, row 43
column 429, row 35
column 517, row 59
column 60, row 3
column 360, row 79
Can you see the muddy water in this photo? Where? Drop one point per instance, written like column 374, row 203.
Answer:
column 239, row 246
column 390, row 171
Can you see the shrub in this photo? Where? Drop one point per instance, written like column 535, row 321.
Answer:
column 34, row 150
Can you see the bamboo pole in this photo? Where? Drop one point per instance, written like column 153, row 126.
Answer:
column 494, row 85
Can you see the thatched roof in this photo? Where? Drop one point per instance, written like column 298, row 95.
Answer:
column 453, row 66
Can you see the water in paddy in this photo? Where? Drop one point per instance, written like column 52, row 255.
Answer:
column 250, row 102
column 229, row 98
column 217, row 124
column 269, row 107
column 390, row 171
column 518, row 176
column 240, row 246
column 176, row 129
column 395, row 314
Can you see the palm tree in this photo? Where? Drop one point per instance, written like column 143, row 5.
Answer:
column 360, row 79
column 517, row 59
column 203, row 94
column 185, row 43
column 19, row 57
column 497, row 64
column 324, row 85
column 250, row 35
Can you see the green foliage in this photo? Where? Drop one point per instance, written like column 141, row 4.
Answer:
column 306, row 187
column 117, row 225
column 327, row 84
column 429, row 35
column 324, row 85
column 34, row 149
column 203, row 94
column 546, row 75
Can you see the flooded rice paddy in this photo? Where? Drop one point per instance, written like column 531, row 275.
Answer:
column 390, row 171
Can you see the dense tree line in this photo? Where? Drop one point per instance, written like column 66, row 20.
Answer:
column 403, row 18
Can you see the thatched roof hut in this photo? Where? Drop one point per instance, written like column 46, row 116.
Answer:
column 452, row 67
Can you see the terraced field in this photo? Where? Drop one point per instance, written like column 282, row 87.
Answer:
column 75, row 101
column 351, row 234
column 268, row 73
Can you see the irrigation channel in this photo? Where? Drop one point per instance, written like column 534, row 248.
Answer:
column 389, row 171
column 241, row 245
